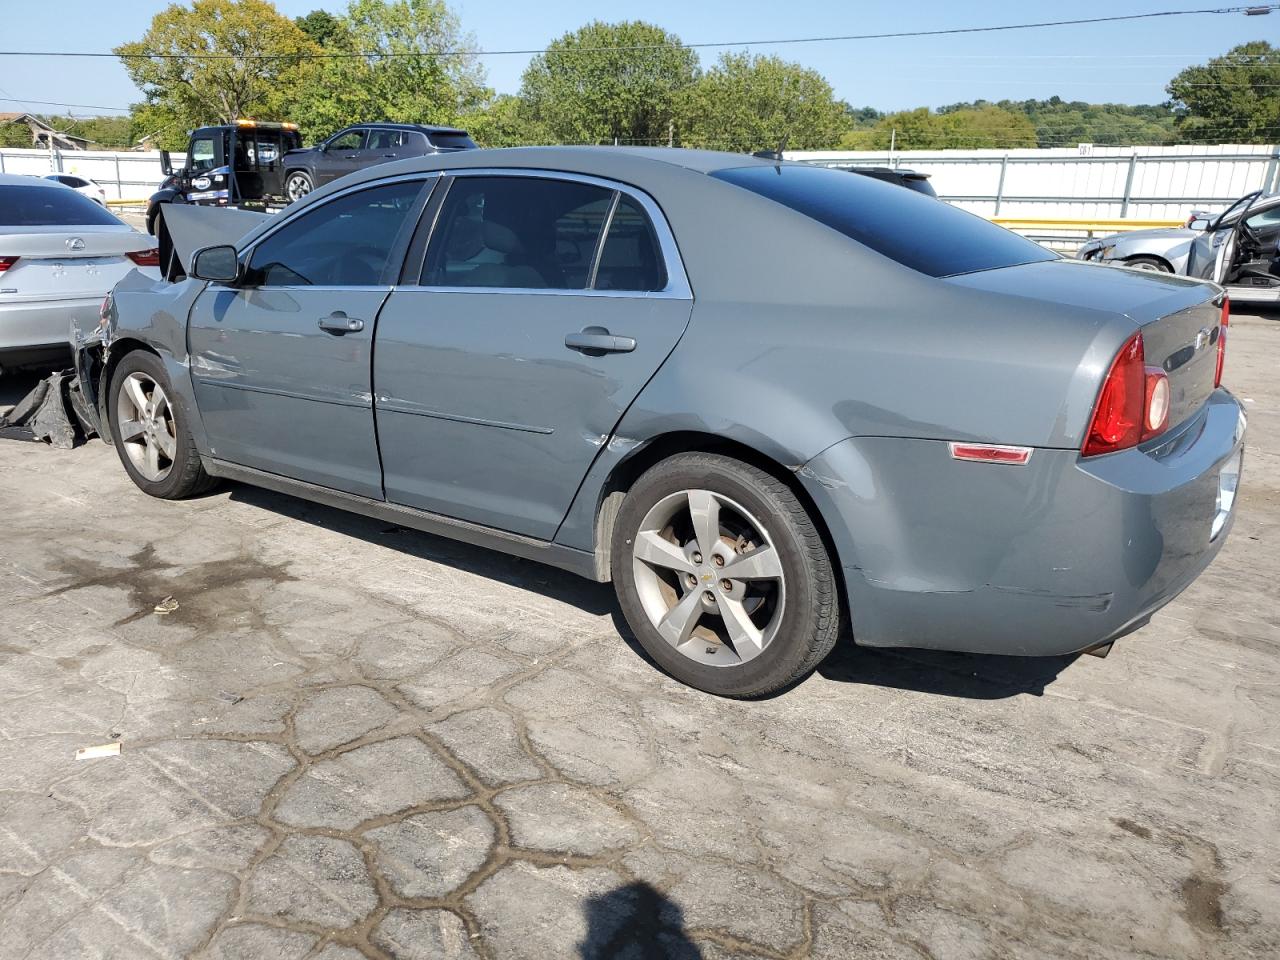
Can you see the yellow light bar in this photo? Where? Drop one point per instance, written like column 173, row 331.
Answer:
column 289, row 126
column 246, row 123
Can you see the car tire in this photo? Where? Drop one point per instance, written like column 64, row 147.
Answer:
column 752, row 633
column 149, row 429
column 1152, row 264
column 297, row 185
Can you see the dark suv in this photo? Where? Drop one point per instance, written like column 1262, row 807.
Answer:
column 363, row 145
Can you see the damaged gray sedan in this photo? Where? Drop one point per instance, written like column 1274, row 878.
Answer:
column 769, row 402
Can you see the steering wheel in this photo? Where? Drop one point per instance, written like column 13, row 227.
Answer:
column 1250, row 235
column 370, row 267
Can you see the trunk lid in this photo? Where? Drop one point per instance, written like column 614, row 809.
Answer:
column 1185, row 346
column 48, row 268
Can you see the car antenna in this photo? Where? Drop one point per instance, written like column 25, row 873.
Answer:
column 775, row 154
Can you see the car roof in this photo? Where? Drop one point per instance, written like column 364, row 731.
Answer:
column 388, row 125
column 29, row 180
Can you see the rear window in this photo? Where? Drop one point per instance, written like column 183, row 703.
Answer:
column 906, row 226
column 40, row 206
column 452, row 141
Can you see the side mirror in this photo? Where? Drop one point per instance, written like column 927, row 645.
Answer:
column 1199, row 223
column 166, row 164
column 220, row 264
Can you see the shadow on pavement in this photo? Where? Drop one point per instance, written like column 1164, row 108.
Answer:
column 593, row 598
column 635, row 921
column 15, row 386
column 968, row 676
column 971, row 676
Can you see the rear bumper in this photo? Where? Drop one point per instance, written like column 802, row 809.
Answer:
column 1052, row 558
column 45, row 323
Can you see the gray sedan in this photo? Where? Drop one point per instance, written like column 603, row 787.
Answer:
column 1237, row 248
column 771, row 403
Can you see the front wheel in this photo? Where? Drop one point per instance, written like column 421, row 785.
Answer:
column 150, row 432
column 297, row 185
column 1150, row 264
column 723, row 576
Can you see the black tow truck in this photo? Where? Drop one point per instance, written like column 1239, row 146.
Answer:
column 236, row 165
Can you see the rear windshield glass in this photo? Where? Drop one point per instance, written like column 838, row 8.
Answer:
column 919, row 232
column 40, row 206
column 452, row 141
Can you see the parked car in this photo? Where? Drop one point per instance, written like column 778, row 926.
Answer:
column 235, row 165
column 81, row 185
column 1237, row 248
column 354, row 148
column 742, row 390
column 60, row 253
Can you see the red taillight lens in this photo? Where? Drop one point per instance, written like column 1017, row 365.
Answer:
column 6, row 263
column 145, row 258
column 1222, row 341
column 1133, row 405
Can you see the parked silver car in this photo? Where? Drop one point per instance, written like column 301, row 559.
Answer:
column 60, row 253
column 769, row 401
column 1237, row 248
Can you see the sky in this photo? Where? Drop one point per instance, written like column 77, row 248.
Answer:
column 1116, row 62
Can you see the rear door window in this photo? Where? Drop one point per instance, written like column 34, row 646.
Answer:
column 345, row 242
column 918, row 232
column 51, row 206
column 385, row 139
column 452, row 141
column 631, row 258
column 516, row 233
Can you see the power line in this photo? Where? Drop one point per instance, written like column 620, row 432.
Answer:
column 54, row 103
column 902, row 34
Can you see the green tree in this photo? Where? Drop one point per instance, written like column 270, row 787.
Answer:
column 15, row 134
column 1231, row 99
column 504, row 122
column 609, row 81
column 746, row 103
column 320, row 26
column 408, row 63
column 212, row 68
column 966, row 128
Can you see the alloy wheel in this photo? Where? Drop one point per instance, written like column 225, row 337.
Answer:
column 144, row 419
column 709, row 577
column 297, row 187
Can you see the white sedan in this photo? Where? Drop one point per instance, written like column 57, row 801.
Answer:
column 60, row 254
column 81, row 185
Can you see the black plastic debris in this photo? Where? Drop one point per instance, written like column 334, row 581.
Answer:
column 54, row 412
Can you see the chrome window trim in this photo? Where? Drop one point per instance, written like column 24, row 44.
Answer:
column 677, row 287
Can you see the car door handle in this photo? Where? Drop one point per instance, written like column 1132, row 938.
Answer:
column 599, row 340
column 339, row 323
column 389, row 156
column 352, row 156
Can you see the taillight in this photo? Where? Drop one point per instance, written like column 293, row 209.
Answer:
column 1222, row 341
column 1133, row 404
column 6, row 263
column 145, row 258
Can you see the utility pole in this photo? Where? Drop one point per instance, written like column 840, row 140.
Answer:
column 893, row 142
column 671, row 134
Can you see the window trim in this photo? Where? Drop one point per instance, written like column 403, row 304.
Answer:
column 677, row 287
column 429, row 180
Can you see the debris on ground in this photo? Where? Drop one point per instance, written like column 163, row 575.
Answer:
column 55, row 412
column 166, row 606
column 102, row 750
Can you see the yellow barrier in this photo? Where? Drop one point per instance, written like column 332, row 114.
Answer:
column 1082, row 224
column 127, row 203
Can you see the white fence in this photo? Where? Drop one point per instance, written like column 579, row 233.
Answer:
column 1140, row 183
column 124, row 176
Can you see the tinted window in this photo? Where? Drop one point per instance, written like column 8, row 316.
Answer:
column 932, row 237
column 452, row 141
column 346, row 242
column 1264, row 220
column 385, row 139
column 202, row 154
column 40, row 206
column 75, row 182
column 351, row 140
column 516, row 232
column 630, row 259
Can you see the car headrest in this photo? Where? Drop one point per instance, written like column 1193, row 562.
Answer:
column 500, row 238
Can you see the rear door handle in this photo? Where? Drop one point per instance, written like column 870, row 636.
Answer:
column 339, row 323
column 599, row 340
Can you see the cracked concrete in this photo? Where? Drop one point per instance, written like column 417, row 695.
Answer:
column 350, row 740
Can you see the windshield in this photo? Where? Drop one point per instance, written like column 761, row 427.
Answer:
column 49, row 206
column 202, row 154
column 918, row 232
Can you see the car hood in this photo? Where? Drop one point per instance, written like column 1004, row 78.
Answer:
column 302, row 152
column 1156, row 233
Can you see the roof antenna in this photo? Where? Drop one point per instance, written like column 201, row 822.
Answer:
column 775, row 154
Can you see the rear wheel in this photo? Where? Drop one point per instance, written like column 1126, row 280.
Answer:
column 150, row 432
column 1153, row 264
column 723, row 577
column 297, row 185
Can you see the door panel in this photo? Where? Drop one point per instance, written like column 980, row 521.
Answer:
column 340, row 157
column 278, row 393
column 484, row 414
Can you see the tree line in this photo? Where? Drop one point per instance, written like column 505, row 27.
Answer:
column 634, row 83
